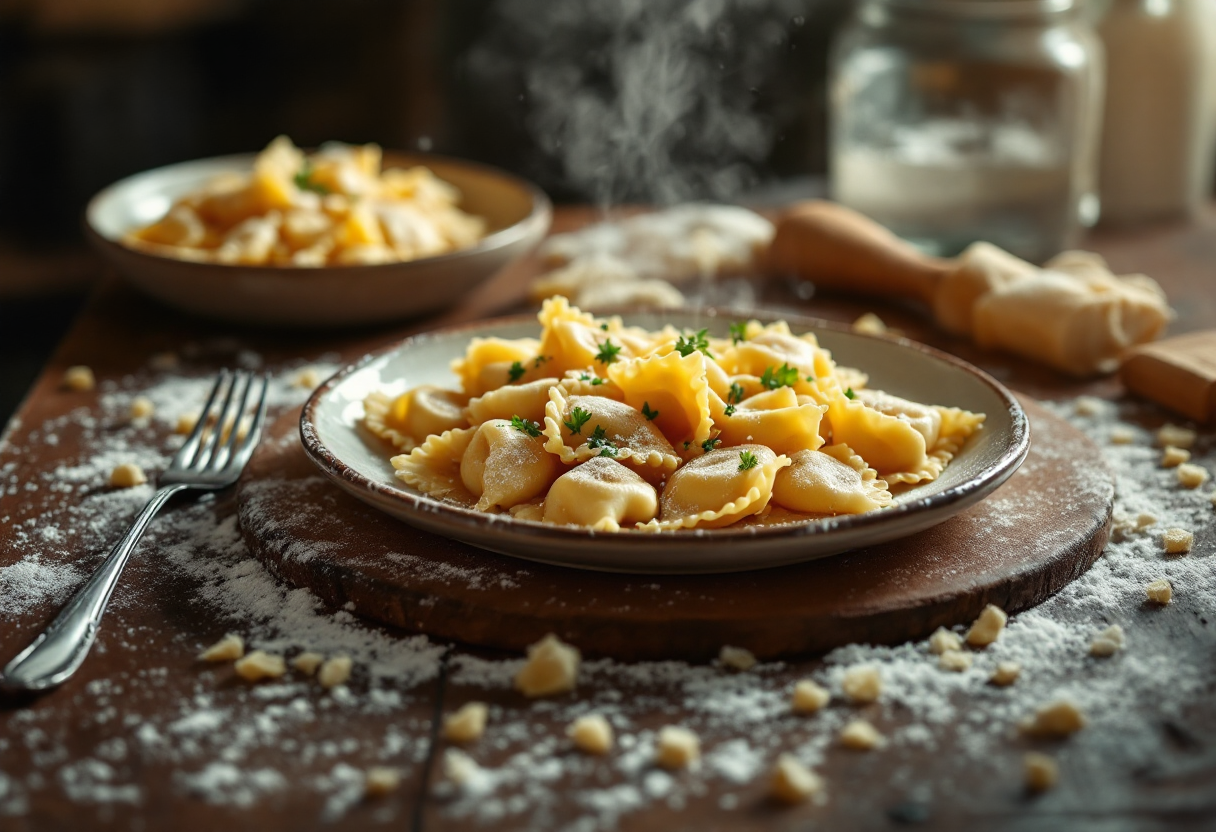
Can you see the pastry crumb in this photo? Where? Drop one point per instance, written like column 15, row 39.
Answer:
column 79, row 378
column 552, row 668
column 1177, row 541
column 1005, row 674
column 127, row 475
column 943, row 640
column 307, row 379
column 307, row 662
column 677, row 747
column 1172, row 457
column 1108, row 642
column 591, row 733
column 1191, row 475
column 141, row 408
column 736, row 658
column 1056, row 719
column 380, row 780
column 809, row 697
column 459, row 767
column 987, row 628
column 230, row 648
column 185, row 423
column 870, row 324
column 335, row 671
column 260, row 665
column 862, row 684
column 1087, row 406
column 1122, row 435
column 954, row 660
column 1160, row 591
column 1179, row 437
column 792, row 782
column 467, row 724
column 861, row 736
column 1040, row 771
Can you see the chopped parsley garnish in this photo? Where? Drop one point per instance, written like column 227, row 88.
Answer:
column 648, row 413
column 709, row 444
column 783, row 376
column 604, row 326
column 747, row 460
column 730, row 410
column 608, row 352
column 516, row 372
column 738, row 332
column 849, row 394
column 810, row 379
column 690, row 344
column 578, row 418
column 736, row 393
column 599, row 439
column 594, row 380
column 524, row 426
column 303, row 180
column 540, row 359
column 687, row 445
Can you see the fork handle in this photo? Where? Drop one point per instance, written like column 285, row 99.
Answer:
column 61, row 648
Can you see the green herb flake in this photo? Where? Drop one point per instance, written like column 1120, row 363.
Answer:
column 303, row 180
column 604, row 326
column 730, row 410
column 738, row 332
column 696, row 341
column 849, row 394
column 747, row 461
column 687, row 445
column 578, row 418
column 648, row 413
column 540, row 359
column 525, row 426
column 709, row 444
column 599, row 439
column 516, row 372
column 810, row 379
column 594, row 380
column 736, row 393
column 783, row 376
column 608, row 352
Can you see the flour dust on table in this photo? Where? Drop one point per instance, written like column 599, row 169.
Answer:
column 266, row 747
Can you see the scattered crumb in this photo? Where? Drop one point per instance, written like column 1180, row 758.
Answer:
column 1177, row 541
column 677, row 747
column 1144, row 520
column 307, row 662
column 591, row 733
column 260, row 665
column 987, row 627
column 1056, row 719
column 1172, row 457
column 227, row 649
column 307, row 379
column 1108, row 642
column 1040, row 771
column 1191, row 475
column 459, row 767
column 79, row 378
column 861, row 736
column 335, row 671
column 1177, row 436
column 185, row 423
column 862, row 684
column 736, row 658
column 1122, row 435
column 467, row 724
column 870, row 324
column 141, row 407
column 1005, row 674
column 792, row 782
column 380, row 780
column 1160, row 591
column 943, row 640
column 127, row 475
column 954, row 660
column 1125, row 526
column 809, row 697
column 1087, row 406
column 552, row 668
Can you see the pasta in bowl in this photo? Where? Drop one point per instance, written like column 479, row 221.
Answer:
column 664, row 443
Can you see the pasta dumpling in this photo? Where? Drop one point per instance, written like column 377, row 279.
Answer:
column 672, row 386
column 504, row 466
column 574, row 340
column 774, row 418
column 524, row 400
column 601, row 494
column 487, row 362
column 434, row 466
column 719, row 488
column 578, row 428
column 409, row 419
column 832, row 480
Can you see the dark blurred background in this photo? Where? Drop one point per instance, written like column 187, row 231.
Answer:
column 94, row 90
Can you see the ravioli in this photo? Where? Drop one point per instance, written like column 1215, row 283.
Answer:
column 719, row 488
column 410, row 418
column 601, row 494
column 832, row 480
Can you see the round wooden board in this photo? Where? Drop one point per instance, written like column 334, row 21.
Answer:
column 1039, row 531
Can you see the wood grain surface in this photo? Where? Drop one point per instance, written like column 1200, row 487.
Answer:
column 1154, row 770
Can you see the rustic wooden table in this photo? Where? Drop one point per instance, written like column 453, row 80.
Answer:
column 144, row 737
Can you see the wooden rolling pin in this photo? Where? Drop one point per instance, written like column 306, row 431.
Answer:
column 1073, row 314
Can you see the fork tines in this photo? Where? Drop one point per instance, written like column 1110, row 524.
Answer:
column 225, row 432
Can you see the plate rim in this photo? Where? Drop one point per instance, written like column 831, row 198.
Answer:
column 992, row 476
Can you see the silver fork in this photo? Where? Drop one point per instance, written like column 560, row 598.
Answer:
column 209, row 461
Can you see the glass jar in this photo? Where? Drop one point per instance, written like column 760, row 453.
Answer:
column 962, row 120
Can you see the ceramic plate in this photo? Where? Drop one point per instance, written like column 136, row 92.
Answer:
column 517, row 215
column 358, row 462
